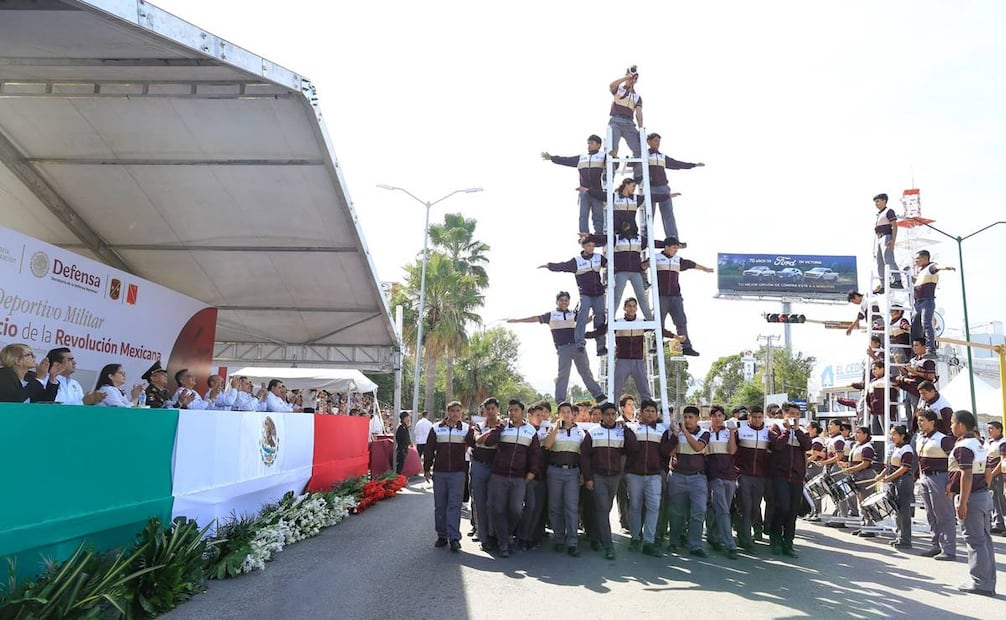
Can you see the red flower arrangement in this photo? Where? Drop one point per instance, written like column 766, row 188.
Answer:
column 377, row 490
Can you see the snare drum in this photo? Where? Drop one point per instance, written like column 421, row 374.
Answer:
column 878, row 506
column 843, row 489
column 820, row 486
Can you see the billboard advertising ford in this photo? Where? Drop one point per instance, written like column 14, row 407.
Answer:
column 786, row 275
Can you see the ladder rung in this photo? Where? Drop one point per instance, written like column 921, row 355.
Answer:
column 627, row 160
column 635, row 325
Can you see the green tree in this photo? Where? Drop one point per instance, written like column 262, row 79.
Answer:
column 749, row 393
column 724, row 378
column 488, row 367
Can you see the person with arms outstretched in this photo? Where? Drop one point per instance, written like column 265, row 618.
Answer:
column 591, row 166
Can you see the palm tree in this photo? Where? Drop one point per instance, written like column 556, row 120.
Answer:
column 456, row 239
column 488, row 367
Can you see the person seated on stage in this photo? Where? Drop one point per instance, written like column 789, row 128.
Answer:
column 186, row 396
column 861, row 459
column 898, row 473
column 70, row 391
column 110, row 381
column 22, row 381
column 591, row 166
column 156, row 392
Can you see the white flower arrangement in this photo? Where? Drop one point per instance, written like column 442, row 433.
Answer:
column 293, row 520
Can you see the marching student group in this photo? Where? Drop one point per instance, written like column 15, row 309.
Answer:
column 676, row 482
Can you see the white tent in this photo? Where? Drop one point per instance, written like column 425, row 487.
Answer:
column 988, row 396
column 331, row 379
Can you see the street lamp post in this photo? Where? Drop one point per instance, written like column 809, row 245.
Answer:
column 422, row 286
column 964, row 299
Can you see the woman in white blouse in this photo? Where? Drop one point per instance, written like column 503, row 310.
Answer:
column 110, row 382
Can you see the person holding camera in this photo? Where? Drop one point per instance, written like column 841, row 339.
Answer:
column 787, row 467
column 626, row 105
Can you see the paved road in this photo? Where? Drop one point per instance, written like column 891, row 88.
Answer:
column 382, row 564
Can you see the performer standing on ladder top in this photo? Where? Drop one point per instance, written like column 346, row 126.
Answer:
column 562, row 322
column 660, row 190
column 587, row 267
column 626, row 104
column 669, row 265
column 887, row 235
column 591, row 168
column 926, row 276
column 629, row 263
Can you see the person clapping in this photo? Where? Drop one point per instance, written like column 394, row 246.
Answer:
column 111, row 380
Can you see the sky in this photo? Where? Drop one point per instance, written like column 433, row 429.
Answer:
column 802, row 111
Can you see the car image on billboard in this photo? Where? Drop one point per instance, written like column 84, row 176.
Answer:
column 787, row 275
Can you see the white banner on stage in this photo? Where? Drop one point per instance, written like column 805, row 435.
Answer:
column 230, row 462
column 51, row 297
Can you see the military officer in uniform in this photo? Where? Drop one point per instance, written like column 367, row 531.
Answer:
column 157, row 386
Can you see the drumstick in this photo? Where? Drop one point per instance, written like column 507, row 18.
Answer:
column 870, row 482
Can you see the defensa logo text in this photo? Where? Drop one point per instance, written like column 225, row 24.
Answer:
column 70, row 274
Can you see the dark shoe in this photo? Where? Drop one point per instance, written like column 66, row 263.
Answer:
column 838, row 524
column 609, row 553
column 787, row 549
column 558, row 547
column 455, row 545
column 504, row 553
column 441, row 542
column 715, row 545
column 600, row 398
column 867, row 535
column 476, row 538
column 902, row 546
column 897, row 285
column 998, row 530
column 746, row 545
column 945, row 557
column 595, row 545
column 813, row 519
column 732, row 554
column 473, row 531
column 635, row 544
column 776, row 549
column 972, row 590
column 671, row 548
column 930, row 553
column 602, row 351
column 699, row 553
column 690, row 351
column 573, row 551
column 759, row 533
column 652, row 550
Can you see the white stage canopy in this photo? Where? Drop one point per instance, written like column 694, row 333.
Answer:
column 138, row 139
column 988, row 396
column 336, row 380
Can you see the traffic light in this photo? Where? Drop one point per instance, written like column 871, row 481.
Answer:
column 785, row 318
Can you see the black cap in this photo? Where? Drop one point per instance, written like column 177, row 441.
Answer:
column 854, row 293
column 594, row 138
column 653, row 135
column 880, row 197
column 674, row 241
column 153, row 370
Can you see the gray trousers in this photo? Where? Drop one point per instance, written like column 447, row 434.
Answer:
column 636, row 279
column 644, row 505
column 978, row 538
column 622, row 127
column 507, row 501
column 721, row 496
column 564, row 504
column 998, row 503
column 568, row 355
column 674, row 305
column 448, row 489
column 481, row 473
column 635, row 369
column 688, row 497
column 605, row 489
column 590, row 305
column 902, row 492
column 886, row 255
column 534, row 504
column 752, row 491
column 660, row 196
column 594, row 207
column 939, row 512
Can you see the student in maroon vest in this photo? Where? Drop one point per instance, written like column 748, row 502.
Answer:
column 898, row 473
column 787, row 468
column 968, row 461
column 933, row 449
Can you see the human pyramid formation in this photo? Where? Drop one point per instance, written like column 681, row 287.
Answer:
column 569, row 327
column 672, row 478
